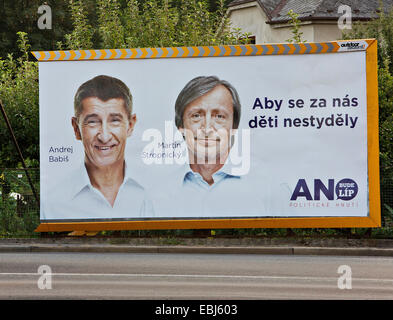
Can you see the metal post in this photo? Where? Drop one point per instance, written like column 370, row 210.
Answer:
column 19, row 151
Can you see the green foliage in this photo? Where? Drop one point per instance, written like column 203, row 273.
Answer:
column 110, row 27
column 12, row 224
column 22, row 15
column 295, row 28
column 82, row 33
column 385, row 93
column 153, row 23
column 152, row 26
column 380, row 29
column 9, row 222
column 390, row 211
column 18, row 209
column 19, row 94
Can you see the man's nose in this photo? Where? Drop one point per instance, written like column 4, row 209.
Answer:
column 104, row 135
column 209, row 124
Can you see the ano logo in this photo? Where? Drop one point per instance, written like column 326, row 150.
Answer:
column 345, row 189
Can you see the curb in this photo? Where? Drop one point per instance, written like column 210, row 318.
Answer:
column 267, row 250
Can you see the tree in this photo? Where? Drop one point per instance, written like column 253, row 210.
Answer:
column 381, row 29
column 19, row 94
column 159, row 23
column 22, row 15
column 82, row 33
column 295, row 28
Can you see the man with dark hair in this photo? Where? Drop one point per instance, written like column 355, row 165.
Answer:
column 102, row 187
column 104, row 88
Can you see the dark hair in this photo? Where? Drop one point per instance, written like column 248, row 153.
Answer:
column 104, row 88
column 198, row 87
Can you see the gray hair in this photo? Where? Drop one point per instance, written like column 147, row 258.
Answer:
column 104, row 88
column 198, row 87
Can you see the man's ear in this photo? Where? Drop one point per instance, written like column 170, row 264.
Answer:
column 74, row 122
column 131, row 124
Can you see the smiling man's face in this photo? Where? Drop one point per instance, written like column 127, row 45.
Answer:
column 103, row 127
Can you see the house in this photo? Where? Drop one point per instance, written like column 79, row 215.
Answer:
column 267, row 21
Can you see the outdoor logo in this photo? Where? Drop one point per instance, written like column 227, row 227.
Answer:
column 345, row 189
column 352, row 45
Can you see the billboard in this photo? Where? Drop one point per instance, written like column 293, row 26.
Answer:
column 280, row 135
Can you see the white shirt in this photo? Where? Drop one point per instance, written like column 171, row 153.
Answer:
column 75, row 198
column 229, row 196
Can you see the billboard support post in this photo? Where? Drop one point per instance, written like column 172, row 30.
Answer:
column 19, row 151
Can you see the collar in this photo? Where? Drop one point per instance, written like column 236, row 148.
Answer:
column 225, row 170
column 81, row 179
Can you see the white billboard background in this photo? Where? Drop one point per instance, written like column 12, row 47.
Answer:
column 279, row 156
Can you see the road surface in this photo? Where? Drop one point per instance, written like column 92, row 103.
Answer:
column 193, row 276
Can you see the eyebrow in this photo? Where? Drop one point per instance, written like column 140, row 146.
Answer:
column 116, row 115
column 194, row 108
column 94, row 115
column 218, row 108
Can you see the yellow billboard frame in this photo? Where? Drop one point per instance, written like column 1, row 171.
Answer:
column 372, row 220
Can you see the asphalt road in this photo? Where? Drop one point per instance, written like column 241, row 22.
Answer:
column 193, row 276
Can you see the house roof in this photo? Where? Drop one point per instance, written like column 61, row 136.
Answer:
column 267, row 5
column 277, row 10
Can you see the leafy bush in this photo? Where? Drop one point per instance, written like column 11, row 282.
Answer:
column 19, row 94
column 131, row 24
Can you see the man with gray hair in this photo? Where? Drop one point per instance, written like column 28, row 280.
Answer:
column 102, row 187
column 207, row 113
